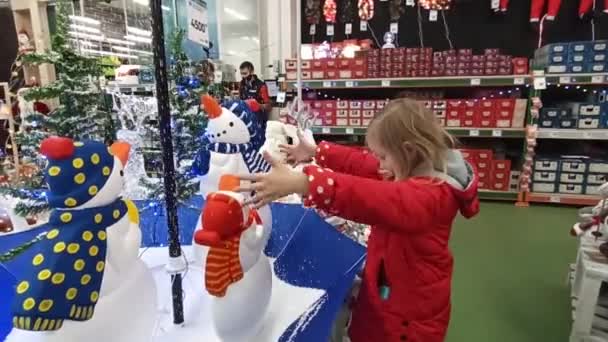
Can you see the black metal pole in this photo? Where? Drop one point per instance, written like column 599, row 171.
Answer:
column 164, row 113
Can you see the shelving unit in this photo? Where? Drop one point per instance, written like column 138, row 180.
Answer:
column 581, row 200
column 574, row 134
column 457, row 132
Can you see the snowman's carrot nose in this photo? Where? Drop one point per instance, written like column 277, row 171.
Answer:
column 211, row 106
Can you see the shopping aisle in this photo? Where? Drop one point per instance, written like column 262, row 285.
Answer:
column 510, row 274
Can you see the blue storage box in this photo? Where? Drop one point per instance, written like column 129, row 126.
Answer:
column 557, row 69
column 549, row 113
column 599, row 45
column 568, row 123
column 573, row 189
column 552, row 49
column 544, row 187
column 577, row 58
column 574, row 164
column 548, row 123
column 546, row 164
column 583, row 108
column 576, row 68
column 599, row 57
column 597, row 67
column 588, row 122
column 571, row 178
column 578, row 47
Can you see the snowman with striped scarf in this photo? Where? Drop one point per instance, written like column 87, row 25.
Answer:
column 82, row 279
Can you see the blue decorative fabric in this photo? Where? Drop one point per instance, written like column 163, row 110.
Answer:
column 75, row 180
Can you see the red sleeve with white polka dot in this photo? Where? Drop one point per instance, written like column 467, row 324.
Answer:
column 349, row 160
column 321, row 189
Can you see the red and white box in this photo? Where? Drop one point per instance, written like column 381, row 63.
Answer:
column 359, row 73
column 344, row 63
column 506, row 103
column 306, row 64
column 341, row 121
column 332, row 74
column 354, row 114
column 331, row 63
column 355, row 104
column 469, row 155
column 440, row 104
column 454, row 122
column 452, row 104
column 368, row 113
column 380, row 104
column 306, row 75
column 487, row 123
column 455, row 113
column 342, row 113
column 316, row 104
column 369, row 104
column 520, row 62
column 318, row 74
column 291, row 64
column 330, row 104
column 440, row 113
column 504, row 118
column 342, row 104
column 487, row 104
column 500, row 182
column 318, row 64
column 520, row 70
column 503, row 166
column 485, row 155
column 329, row 121
column 354, row 122
column 348, row 73
column 366, row 122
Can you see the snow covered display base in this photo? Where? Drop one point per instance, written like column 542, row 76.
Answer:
column 312, row 265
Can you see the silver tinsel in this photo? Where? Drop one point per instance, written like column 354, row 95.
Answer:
column 133, row 113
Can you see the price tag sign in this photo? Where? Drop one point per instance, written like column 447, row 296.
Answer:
column 363, row 26
column 348, row 28
column 386, row 83
column 350, row 131
column 475, row 81
column 410, row 3
column 586, row 135
column 325, row 130
column 330, row 30
column 565, row 79
column 281, row 97
column 519, row 81
column 326, row 84
column 555, row 199
column 349, row 84
column 496, row 133
column 313, row 29
column 495, row 4
column 474, row 133
column 199, row 22
column 394, row 28
column 597, row 79
column 540, row 83
column 433, row 15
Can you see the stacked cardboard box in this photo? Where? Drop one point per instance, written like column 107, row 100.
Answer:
column 569, row 175
column 575, row 57
column 409, row 62
column 355, row 113
column 494, row 174
column 581, row 115
column 480, row 113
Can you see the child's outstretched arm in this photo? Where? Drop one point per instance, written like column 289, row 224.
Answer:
column 350, row 160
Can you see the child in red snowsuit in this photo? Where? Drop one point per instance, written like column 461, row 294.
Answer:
column 409, row 187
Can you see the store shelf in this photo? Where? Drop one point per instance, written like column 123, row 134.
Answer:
column 457, row 132
column 536, row 197
column 498, row 195
column 578, row 134
column 416, row 82
column 566, row 79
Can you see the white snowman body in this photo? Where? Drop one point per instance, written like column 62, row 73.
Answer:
column 226, row 128
column 135, row 169
column 126, row 310
column 241, row 312
column 276, row 135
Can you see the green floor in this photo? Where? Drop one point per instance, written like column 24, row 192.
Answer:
column 510, row 274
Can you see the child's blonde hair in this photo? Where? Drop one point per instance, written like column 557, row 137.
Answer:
column 404, row 120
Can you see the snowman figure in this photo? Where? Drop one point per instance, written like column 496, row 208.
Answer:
column 232, row 142
column 83, row 280
column 237, row 273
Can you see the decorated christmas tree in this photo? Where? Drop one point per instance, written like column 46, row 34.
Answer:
column 188, row 83
column 78, row 115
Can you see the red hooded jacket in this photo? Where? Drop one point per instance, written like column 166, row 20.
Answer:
column 405, row 294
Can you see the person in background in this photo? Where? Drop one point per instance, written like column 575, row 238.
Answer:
column 254, row 88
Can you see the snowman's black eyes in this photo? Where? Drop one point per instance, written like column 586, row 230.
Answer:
column 122, row 173
column 231, row 124
column 224, row 132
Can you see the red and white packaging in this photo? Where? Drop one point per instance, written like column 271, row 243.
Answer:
column 348, row 73
column 342, row 113
column 330, row 104
column 341, row 121
column 318, row 74
column 369, row 104
column 354, row 114
column 306, row 65
column 368, row 113
column 332, row 74
column 331, row 63
column 506, row 103
column 366, row 122
column 329, row 121
column 504, row 118
column 503, row 166
column 355, row 104
column 485, row 155
column 354, row 122
column 291, row 64
column 342, row 104
column 291, row 75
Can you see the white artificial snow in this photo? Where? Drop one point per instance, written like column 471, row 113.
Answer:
column 198, row 326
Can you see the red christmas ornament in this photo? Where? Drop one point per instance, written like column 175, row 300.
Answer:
column 436, row 5
column 57, row 148
column 330, row 11
column 366, row 9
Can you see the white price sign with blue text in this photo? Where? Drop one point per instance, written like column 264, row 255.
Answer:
column 198, row 19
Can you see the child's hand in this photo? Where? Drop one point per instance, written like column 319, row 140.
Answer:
column 386, row 175
column 302, row 152
column 279, row 182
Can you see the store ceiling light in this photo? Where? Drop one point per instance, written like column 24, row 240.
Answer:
column 121, row 42
column 236, row 14
column 126, row 49
column 139, row 32
column 108, row 53
column 84, row 28
column 85, row 20
column 138, row 39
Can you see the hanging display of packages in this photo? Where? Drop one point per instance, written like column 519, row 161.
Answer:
column 330, row 11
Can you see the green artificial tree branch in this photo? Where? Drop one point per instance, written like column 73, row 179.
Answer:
column 15, row 252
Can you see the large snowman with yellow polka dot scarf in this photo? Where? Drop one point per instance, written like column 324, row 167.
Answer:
column 85, row 281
